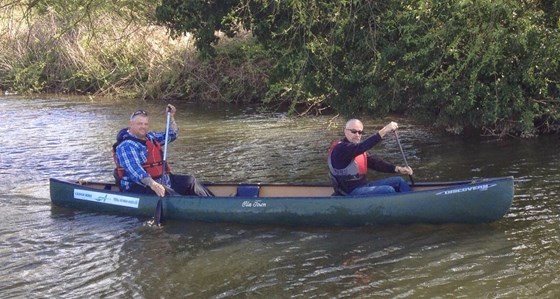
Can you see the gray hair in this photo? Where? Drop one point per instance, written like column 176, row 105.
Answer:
column 352, row 121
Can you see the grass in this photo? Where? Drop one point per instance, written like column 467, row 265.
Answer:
column 109, row 55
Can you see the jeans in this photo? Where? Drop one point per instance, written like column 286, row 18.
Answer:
column 388, row 185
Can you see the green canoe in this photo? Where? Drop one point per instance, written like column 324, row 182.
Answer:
column 473, row 201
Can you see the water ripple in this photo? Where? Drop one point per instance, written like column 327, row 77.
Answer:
column 47, row 251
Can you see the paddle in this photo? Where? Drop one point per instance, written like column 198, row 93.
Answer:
column 159, row 206
column 404, row 157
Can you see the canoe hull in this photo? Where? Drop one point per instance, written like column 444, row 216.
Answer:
column 480, row 201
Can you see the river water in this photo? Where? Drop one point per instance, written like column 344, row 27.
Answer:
column 50, row 252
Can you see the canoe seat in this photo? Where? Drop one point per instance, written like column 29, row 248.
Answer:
column 248, row 190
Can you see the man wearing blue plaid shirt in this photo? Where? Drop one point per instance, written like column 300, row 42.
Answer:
column 139, row 159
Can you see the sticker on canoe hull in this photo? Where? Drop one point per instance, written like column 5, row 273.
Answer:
column 112, row 199
column 467, row 189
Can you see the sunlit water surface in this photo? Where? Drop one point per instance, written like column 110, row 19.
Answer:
column 50, row 252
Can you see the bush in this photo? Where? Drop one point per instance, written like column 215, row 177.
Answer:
column 484, row 65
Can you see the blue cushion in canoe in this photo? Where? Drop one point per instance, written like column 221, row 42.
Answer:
column 248, row 190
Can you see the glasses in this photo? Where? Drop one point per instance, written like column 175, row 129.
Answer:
column 139, row 112
column 359, row 132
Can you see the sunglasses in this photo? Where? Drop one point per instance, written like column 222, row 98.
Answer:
column 139, row 112
column 359, row 132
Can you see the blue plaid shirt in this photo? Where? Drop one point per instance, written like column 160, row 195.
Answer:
column 131, row 155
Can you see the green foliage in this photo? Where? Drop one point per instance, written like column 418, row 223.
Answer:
column 28, row 76
column 485, row 65
column 490, row 65
column 74, row 12
column 199, row 17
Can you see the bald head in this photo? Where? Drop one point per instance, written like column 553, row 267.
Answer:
column 353, row 122
column 353, row 130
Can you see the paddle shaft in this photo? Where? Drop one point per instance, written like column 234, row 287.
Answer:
column 159, row 208
column 404, row 157
column 166, row 139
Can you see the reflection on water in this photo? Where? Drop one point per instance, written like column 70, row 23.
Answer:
column 53, row 252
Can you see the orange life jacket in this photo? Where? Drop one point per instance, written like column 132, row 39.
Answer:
column 154, row 161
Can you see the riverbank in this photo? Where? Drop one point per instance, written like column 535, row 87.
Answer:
column 139, row 50
column 113, row 56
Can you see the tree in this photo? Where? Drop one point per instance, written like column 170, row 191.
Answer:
column 490, row 65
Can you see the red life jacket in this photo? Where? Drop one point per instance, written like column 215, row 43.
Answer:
column 353, row 173
column 154, row 161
